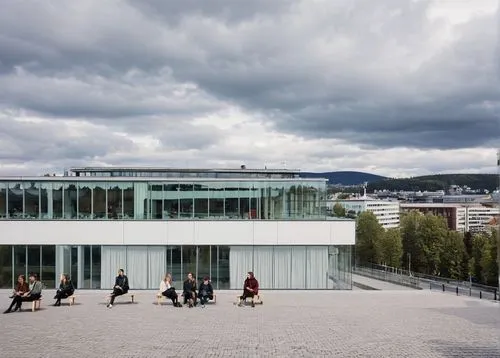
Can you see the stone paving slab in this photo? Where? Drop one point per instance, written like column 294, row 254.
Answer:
column 289, row 324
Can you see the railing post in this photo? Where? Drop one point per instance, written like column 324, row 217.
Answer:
column 470, row 291
column 443, row 287
column 495, row 295
column 480, row 294
column 457, row 290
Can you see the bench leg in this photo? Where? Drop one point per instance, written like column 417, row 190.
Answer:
column 132, row 297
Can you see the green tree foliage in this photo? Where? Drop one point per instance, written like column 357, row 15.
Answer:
column 390, row 248
column 368, row 234
column 452, row 256
column 431, row 235
column 339, row 210
column 437, row 182
column 410, row 224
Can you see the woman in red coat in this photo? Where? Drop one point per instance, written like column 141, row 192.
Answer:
column 250, row 289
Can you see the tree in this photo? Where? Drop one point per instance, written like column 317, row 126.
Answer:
column 452, row 256
column 431, row 235
column 339, row 210
column 390, row 248
column 410, row 224
column 369, row 232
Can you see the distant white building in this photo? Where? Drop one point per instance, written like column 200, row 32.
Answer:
column 386, row 211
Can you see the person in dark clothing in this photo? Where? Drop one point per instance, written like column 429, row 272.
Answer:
column 167, row 290
column 250, row 289
column 205, row 291
column 121, row 287
column 33, row 294
column 189, row 290
column 65, row 290
column 21, row 288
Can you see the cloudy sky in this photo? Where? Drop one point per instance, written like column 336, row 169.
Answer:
column 392, row 87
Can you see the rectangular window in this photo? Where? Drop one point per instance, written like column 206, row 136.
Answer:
column 6, row 266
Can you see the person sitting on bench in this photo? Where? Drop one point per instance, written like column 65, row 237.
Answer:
column 21, row 288
column 250, row 289
column 168, row 290
column 65, row 290
column 120, row 288
column 34, row 293
column 189, row 290
column 205, row 291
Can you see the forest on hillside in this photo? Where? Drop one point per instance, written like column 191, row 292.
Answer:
column 437, row 182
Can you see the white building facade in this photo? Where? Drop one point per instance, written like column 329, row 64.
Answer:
column 386, row 211
column 216, row 223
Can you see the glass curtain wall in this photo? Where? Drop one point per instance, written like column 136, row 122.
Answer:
column 259, row 200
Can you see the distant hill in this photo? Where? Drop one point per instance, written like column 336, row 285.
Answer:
column 437, row 182
column 344, row 177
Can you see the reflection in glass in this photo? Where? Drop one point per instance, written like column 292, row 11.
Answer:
column 175, row 264
column 15, row 200
column 203, row 262
column 223, row 273
column 96, row 267
column 188, row 261
column 156, row 192
column 45, row 200
column 99, row 201
column 3, row 200
column 6, row 266
column 20, row 267
column 186, row 200
column 48, row 274
column 214, row 266
column 170, row 201
column 232, row 200
column 34, row 259
column 114, row 201
column 31, row 200
column 70, row 201
column 216, row 201
column 128, row 201
column 57, row 201
column 200, row 201
column 87, row 263
column 85, row 201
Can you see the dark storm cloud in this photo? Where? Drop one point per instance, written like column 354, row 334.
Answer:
column 377, row 74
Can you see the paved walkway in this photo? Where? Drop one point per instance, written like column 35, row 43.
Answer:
column 405, row 323
column 379, row 284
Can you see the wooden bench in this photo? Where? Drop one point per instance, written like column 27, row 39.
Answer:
column 129, row 295
column 35, row 303
column 256, row 299
column 214, row 300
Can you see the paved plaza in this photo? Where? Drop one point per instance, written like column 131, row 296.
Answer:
column 359, row 323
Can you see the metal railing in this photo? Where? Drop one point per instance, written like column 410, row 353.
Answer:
column 389, row 276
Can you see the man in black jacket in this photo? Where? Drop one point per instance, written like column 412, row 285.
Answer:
column 121, row 287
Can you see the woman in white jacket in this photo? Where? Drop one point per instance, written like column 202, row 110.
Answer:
column 168, row 290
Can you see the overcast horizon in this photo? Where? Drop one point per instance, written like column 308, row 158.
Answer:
column 395, row 88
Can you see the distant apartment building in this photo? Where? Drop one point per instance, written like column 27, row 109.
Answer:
column 459, row 217
column 386, row 211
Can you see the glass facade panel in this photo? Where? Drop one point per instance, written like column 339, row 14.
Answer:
column 34, row 259
column 15, row 200
column 156, row 201
column 49, row 276
column 70, row 201
column 115, row 201
column 6, row 267
column 223, row 269
column 99, row 201
column 85, row 201
column 31, row 200
column 57, row 201
column 203, row 262
column 212, row 200
column 128, row 201
column 171, row 201
column 276, row 267
column 175, row 262
column 186, row 201
column 96, row 267
column 3, row 200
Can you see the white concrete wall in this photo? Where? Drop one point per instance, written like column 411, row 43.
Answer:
column 218, row 232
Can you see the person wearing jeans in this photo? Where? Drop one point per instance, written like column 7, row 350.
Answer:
column 205, row 291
